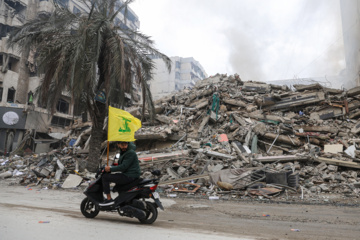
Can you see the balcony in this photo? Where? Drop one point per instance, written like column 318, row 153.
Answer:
column 14, row 52
column 23, row 2
column 45, row 7
column 9, row 78
column 7, row 18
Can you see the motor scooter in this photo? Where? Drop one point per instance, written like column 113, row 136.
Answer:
column 132, row 200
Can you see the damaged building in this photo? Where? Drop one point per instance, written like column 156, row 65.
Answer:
column 25, row 123
column 230, row 139
column 185, row 72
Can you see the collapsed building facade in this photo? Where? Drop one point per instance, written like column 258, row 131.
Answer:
column 223, row 137
column 230, row 139
column 24, row 120
column 234, row 134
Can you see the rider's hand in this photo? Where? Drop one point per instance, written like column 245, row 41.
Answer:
column 107, row 169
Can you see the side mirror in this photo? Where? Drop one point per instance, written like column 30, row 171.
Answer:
column 117, row 156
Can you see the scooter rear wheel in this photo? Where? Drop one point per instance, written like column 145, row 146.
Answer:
column 88, row 208
column 151, row 214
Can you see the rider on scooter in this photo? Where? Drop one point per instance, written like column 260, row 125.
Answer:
column 127, row 170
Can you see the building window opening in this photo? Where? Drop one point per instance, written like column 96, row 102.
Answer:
column 177, row 64
column 63, row 3
column 1, row 93
column 76, row 10
column 62, row 106
column 60, row 122
column 177, row 75
column 13, row 64
column 11, row 95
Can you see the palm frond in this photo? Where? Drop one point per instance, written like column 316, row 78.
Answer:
column 85, row 53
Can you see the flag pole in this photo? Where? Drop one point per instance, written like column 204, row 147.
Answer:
column 107, row 164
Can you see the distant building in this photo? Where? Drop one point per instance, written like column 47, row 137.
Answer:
column 185, row 72
column 350, row 14
column 20, row 112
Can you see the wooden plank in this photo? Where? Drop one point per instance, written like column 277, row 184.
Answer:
column 317, row 129
column 284, row 139
column 186, row 179
column 158, row 157
column 283, row 158
column 215, row 154
column 234, row 102
column 203, row 123
column 338, row 162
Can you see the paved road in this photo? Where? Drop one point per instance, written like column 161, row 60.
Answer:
column 21, row 209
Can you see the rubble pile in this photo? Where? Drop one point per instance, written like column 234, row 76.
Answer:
column 227, row 138
column 307, row 137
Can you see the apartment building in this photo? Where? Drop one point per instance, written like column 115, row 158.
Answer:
column 185, row 72
column 20, row 111
column 350, row 14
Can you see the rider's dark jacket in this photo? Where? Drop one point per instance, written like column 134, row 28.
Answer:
column 128, row 163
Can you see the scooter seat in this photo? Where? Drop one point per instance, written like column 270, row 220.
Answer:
column 125, row 187
column 144, row 181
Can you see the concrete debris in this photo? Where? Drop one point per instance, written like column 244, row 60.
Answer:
column 225, row 137
column 72, row 181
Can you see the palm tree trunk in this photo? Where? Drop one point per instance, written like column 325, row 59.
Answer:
column 97, row 137
column 97, row 132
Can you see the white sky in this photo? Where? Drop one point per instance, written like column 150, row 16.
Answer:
column 257, row 39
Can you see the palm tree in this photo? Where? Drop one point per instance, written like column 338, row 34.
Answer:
column 87, row 53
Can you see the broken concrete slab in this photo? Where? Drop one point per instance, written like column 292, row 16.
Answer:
column 208, row 81
column 195, row 144
column 256, row 87
column 302, row 87
column 234, row 102
column 328, row 113
column 6, row 174
column 353, row 92
column 356, row 128
column 72, row 181
column 333, row 148
column 298, row 100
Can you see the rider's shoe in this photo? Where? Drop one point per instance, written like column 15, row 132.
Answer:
column 107, row 202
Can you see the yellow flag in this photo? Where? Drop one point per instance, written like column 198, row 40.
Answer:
column 122, row 125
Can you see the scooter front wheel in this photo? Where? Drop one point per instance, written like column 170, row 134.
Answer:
column 88, row 208
column 151, row 214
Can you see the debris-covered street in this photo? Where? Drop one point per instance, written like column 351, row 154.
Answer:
column 227, row 139
column 250, row 129
column 37, row 213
